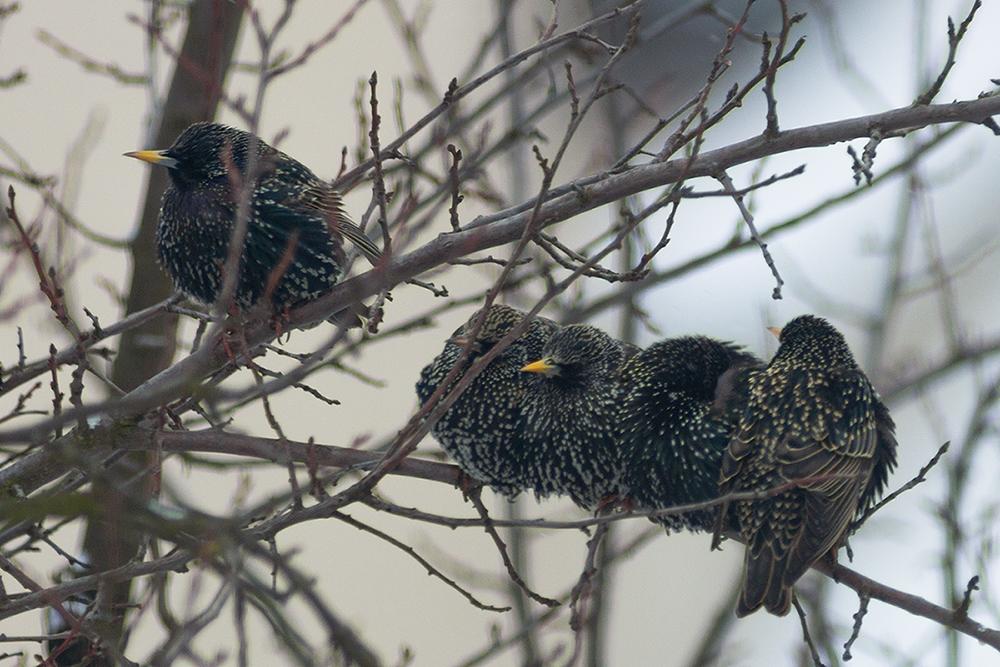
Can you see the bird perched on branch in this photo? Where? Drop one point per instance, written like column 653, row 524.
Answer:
column 680, row 405
column 479, row 430
column 295, row 222
column 812, row 420
column 569, row 444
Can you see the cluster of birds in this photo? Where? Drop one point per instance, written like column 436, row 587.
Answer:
column 569, row 410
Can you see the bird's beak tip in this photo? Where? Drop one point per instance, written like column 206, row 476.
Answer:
column 776, row 331
column 540, row 366
column 153, row 157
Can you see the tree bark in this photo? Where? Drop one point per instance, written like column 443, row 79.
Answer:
column 194, row 95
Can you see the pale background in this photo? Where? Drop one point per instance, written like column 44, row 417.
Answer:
column 663, row 597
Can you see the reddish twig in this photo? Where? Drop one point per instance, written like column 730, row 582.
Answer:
column 47, row 282
column 491, row 530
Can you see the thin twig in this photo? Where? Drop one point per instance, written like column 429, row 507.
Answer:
column 920, row 476
column 456, row 195
column 431, row 570
column 806, row 637
column 954, row 39
column 47, row 281
column 864, row 598
column 488, row 525
column 727, row 184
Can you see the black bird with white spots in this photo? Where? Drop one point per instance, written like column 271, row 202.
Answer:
column 812, row 415
column 480, row 430
column 568, row 418
column 293, row 244
column 679, row 408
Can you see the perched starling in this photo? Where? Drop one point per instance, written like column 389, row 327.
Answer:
column 569, row 443
column 479, row 430
column 811, row 415
column 673, row 433
column 295, row 222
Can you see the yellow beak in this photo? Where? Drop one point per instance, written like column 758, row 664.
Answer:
column 776, row 331
column 545, row 366
column 154, row 157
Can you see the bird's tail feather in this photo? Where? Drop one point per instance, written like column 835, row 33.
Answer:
column 763, row 585
column 355, row 235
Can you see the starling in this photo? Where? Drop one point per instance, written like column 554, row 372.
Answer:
column 295, row 223
column 569, row 444
column 673, row 432
column 811, row 415
column 479, row 430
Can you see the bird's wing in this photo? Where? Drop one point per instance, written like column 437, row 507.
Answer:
column 831, row 453
column 320, row 197
column 740, row 446
column 731, row 470
column 884, row 460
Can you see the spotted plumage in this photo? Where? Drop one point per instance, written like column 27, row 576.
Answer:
column 568, row 432
column 679, row 408
column 295, row 222
column 479, row 431
column 811, row 415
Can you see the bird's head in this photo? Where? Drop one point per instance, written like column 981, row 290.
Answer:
column 205, row 152
column 578, row 352
column 497, row 323
column 812, row 341
column 694, row 364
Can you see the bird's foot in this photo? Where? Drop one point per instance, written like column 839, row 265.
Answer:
column 278, row 320
column 468, row 484
column 831, row 560
column 610, row 503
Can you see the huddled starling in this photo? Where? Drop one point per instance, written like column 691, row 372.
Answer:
column 678, row 411
column 479, row 431
column 568, row 435
column 812, row 415
column 295, row 222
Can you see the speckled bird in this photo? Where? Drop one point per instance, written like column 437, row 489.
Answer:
column 680, row 406
column 568, row 432
column 479, row 430
column 811, row 415
column 295, row 224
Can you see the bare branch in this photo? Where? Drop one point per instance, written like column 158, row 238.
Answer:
column 954, row 39
column 431, row 570
column 502, row 548
column 727, row 184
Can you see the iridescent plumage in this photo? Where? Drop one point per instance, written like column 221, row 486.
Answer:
column 569, row 440
column 295, row 221
column 677, row 414
column 812, row 415
column 480, row 430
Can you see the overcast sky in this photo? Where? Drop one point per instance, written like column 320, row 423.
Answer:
column 663, row 597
